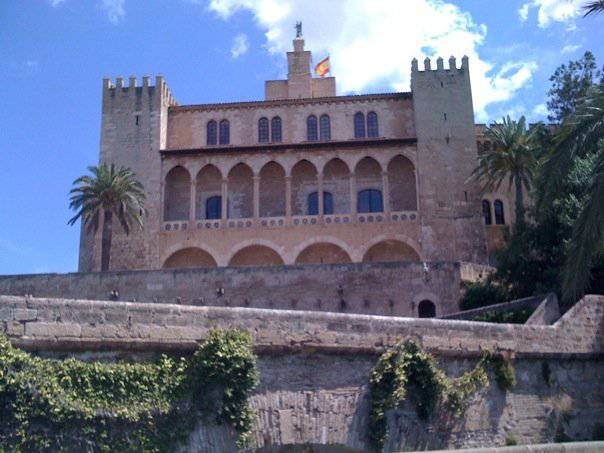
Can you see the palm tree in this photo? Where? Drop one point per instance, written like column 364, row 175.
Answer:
column 581, row 133
column 593, row 7
column 112, row 192
column 513, row 156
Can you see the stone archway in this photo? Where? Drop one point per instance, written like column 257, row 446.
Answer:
column 323, row 253
column 256, row 255
column 188, row 258
column 177, row 194
column 390, row 250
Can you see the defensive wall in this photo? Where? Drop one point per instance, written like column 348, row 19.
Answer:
column 314, row 368
column 373, row 288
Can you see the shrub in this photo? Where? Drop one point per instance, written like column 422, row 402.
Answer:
column 482, row 294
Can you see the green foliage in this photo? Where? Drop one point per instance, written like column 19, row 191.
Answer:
column 505, row 374
column 506, row 317
column 72, row 405
column 511, row 440
column 406, row 367
column 482, row 294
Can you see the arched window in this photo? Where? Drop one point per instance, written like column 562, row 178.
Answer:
column 211, row 133
column 426, row 309
column 276, row 129
column 486, row 212
column 224, row 134
column 313, row 203
column 214, row 207
column 263, row 130
column 311, row 128
column 372, row 125
column 359, row 125
column 499, row 218
column 325, row 127
column 370, row 200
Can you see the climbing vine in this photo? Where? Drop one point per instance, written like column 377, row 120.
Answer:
column 405, row 368
column 72, row 405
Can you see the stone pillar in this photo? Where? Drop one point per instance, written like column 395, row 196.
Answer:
column 256, row 196
column 320, row 193
column 288, row 196
column 353, row 193
column 225, row 199
column 193, row 195
column 385, row 192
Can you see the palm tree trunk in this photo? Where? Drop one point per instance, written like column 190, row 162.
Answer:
column 106, row 240
column 519, row 202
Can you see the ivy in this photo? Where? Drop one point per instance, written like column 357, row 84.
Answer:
column 72, row 405
column 405, row 367
column 505, row 374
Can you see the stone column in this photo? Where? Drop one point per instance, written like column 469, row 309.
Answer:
column 256, row 196
column 193, row 195
column 288, row 196
column 353, row 193
column 385, row 192
column 225, row 199
column 320, row 193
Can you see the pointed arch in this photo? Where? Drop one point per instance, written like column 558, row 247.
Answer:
column 208, row 185
column 241, row 192
column 336, row 180
column 272, row 190
column 177, row 194
column 304, row 182
column 402, row 184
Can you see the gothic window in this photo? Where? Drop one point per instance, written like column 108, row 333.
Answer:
column 263, row 130
column 211, row 133
column 486, row 212
column 311, row 128
column 313, row 203
column 426, row 309
column 224, row 134
column 276, row 129
column 370, row 200
column 325, row 127
column 372, row 125
column 498, row 207
column 359, row 125
column 214, row 207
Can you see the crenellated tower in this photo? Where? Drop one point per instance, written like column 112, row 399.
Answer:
column 133, row 130
column 452, row 227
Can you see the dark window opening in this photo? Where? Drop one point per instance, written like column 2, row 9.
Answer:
column 263, row 130
column 276, row 129
column 370, row 200
column 214, row 207
column 211, row 133
column 359, row 125
column 499, row 217
column 311, row 128
column 313, row 203
column 372, row 125
column 224, row 135
column 426, row 309
column 486, row 212
column 325, row 127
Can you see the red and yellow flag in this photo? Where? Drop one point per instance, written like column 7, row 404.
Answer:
column 322, row 67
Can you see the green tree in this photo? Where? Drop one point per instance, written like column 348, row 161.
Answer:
column 570, row 83
column 594, row 7
column 513, row 157
column 110, row 192
column 581, row 135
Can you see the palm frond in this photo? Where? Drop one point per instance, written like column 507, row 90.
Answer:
column 593, row 7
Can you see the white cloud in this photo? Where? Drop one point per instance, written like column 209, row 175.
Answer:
column 523, row 12
column 240, row 45
column 549, row 11
column 540, row 111
column 372, row 43
column 55, row 3
column 114, row 9
column 570, row 48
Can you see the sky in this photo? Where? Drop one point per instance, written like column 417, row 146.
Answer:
column 54, row 54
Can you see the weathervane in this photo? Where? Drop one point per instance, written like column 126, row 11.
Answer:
column 299, row 29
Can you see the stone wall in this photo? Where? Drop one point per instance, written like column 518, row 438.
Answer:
column 376, row 288
column 314, row 367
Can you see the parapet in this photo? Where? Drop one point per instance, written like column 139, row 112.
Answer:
column 440, row 66
column 119, row 87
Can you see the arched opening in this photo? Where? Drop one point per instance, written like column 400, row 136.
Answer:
column 486, row 212
column 263, row 130
column 369, row 185
column 209, row 185
column 323, row 253
column 189, row 257
column 359, row 125
column 304, row 182
column 336, row 180
column 499, row 216
column 241, row 192
column 276, row 129
column 224, row 132
column 426, row 309
column 372, row 125
column 177, row 194
column 211, row 132
column 401, row 181
column 324, row 127
column 389, row 251
column 311, row 128
column 272, row 190
column 256, row 255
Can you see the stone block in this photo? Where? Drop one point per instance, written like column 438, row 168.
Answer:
column 24, row 314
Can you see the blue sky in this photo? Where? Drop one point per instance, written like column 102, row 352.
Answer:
column 54, row 54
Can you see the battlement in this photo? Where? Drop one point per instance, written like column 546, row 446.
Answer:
column 113, row 88
column 440, row 65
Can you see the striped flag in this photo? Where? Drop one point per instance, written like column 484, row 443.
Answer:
column 322, row 67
